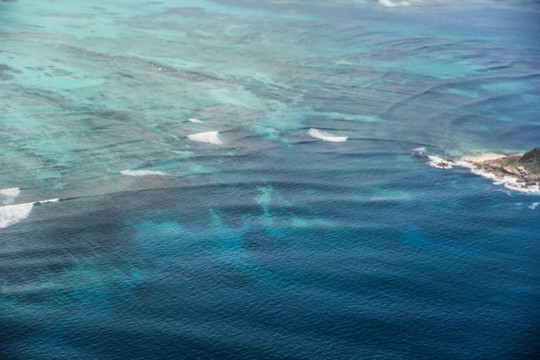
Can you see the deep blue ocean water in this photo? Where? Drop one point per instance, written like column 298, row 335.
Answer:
column 123, row 236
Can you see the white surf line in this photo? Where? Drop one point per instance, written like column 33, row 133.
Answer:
column 142, row 173
column 47, row 201
column 210, row 137
column 193, row 120
column 388, row 3
column 318, row 134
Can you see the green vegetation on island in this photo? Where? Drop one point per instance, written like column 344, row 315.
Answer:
column 524, row 167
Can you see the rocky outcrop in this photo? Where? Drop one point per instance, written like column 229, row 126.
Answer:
column 524, row 167
column 531, row 160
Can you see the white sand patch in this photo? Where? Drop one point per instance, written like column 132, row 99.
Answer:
column 482, row 158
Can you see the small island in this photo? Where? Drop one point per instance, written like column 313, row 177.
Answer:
column 525, row 168
column 520, row 172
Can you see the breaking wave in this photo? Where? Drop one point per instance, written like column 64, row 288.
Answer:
column 388, row 3
column 440, row 163
column 12, row 214
column 207, row 137
column 142, row 173
column 7, row 196
column 48, row 201
column 318, row 134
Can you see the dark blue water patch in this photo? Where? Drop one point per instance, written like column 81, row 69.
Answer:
column 293, row 268
column 193, row 277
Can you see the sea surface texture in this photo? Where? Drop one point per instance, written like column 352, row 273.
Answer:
column 249, row 179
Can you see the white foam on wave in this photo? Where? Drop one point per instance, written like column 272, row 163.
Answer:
column 513, row 184
column 534, row 205
column 388, row 3
column 48, row 201
column 193, row 120
column 142, row 173
column 318, row 134
column 12, row 214
column 440, row 163
column 508, row 182
column 419, row 151
column 7, row 196
column 206, row 137
column 11, row 192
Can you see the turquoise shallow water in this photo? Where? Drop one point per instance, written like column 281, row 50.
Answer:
column 124, row 236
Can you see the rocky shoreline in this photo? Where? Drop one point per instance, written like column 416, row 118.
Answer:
column 520, row 172
column 525, row 168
